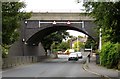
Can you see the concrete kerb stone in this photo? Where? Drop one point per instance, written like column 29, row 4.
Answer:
column 86, row 68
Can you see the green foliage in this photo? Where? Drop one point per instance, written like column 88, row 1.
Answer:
column 11, row 17
column 63, row 46
column 107, row 17
column 104, row 53
column 110, row 55
column 11, row 20
column 5, row 50
column 55, row 37
column 78, row 46
column 90, row 42
column 80, row 36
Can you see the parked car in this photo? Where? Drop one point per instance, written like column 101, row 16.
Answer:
column 73, row 56
column 79, row 54
column 60, row 52
column 67, row 52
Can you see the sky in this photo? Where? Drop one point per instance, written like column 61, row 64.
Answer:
column 75, row 33
column 55, row 6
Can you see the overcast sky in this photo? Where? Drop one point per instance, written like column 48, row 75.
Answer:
column 55, row 6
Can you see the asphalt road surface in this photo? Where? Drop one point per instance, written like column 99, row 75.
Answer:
column 60, row 67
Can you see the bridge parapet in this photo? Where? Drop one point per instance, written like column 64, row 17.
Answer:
column 44, row 23
column 60, row 16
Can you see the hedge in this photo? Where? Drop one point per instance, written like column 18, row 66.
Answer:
column 110, row 55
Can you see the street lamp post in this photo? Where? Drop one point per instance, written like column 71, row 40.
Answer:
column 100, row 40
column 91, row 47
column 77, row 44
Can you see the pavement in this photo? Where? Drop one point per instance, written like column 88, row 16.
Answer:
column 99, row 70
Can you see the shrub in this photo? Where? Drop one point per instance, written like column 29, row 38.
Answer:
column 110, row 55
column 104, row 53
column 5, row 49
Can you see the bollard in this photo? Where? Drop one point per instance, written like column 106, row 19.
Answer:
column 87, row 60
column 97, row 59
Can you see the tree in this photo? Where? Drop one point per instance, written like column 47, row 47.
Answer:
column 55, row 37
column 11, row 20
column 107, row 17
column 11, row 17
column 80, row 36
column 64, row 45
column 90, row 42
column 78, row 45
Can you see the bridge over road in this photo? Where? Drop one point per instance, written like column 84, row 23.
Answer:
column 40, row 25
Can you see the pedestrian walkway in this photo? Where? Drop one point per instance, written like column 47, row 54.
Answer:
column 100, row 70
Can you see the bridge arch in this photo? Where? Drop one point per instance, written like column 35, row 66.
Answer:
column 33, row 30
column 36, row 38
